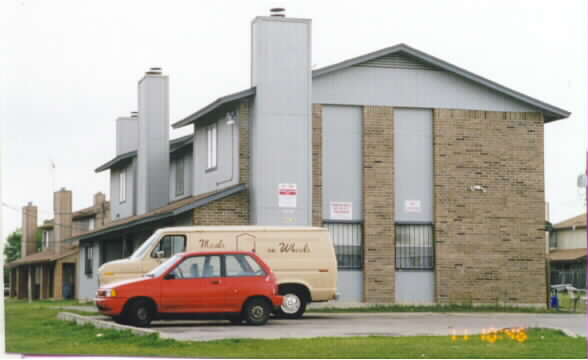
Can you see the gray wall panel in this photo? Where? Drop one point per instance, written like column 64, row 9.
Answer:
column 127, row 134
column 361, row 85
column 120, row 210
column 415, row 287
column 281, row 150
column 350, row 285
column 227, row 168
column 413, row 162
column 342, row 158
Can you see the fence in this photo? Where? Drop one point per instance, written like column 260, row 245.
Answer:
column 575, row 277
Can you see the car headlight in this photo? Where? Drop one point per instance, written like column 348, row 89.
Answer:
column 106, row 293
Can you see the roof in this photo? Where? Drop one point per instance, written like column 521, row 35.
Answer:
column 76, row 215
column 215, row 105
column 44, row 257
column 174, row 146
column 172, row 209
column 551, row 112
column 577, row 222
column 567, row 254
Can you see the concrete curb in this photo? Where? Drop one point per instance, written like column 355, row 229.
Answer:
column 101, row 324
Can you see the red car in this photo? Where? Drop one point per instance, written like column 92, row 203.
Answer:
column 235, row 285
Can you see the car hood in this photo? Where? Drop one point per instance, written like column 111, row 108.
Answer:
column 124, row 283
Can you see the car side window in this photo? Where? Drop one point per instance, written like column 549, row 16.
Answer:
column 198, row 267
column 170, row 245
column 242, row 265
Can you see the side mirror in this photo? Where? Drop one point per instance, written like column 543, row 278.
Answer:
column 158, row 254
column 170, row 276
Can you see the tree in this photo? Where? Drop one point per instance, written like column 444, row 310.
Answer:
column 12, row 248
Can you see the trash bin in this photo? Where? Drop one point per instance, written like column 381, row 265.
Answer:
column 554, row 303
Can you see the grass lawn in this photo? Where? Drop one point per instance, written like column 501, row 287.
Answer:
column 34, row 329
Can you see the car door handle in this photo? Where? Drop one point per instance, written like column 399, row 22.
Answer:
column 215, row 282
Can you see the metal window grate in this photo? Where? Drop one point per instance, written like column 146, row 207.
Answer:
column 348, row 241
column 414, row 247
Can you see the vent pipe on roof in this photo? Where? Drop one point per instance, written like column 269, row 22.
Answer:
column 278, row 12
column 134, row 114
column 154, row 71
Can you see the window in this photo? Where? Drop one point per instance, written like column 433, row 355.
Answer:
column 180, row 177
column 171, row 245
column 348, row 241
column 242, row 265
column 414, row 247
column 88, row 259
column 45, row 239
column 122, row 186
column 198, row 267
column 91, row 223
column 211, row 144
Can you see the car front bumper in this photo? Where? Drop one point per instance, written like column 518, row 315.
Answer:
column 111, row 306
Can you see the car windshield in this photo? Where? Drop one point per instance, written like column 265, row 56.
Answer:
column 140, row 252
column 164, row 266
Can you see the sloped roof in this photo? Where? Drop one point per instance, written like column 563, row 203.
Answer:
column 172, row 209
column 215, row 105
column 551, row 112
column 567, row 254
column 577, row 221
column 44, row 257
column 174, row 145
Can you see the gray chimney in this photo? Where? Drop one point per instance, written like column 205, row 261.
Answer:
column 28, row 245
column 62, row 209
column 153, row 146
column 127, row 134
column 281, row 110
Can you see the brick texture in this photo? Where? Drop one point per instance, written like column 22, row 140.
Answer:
column 378, row 190
column 490, row 246
column 244, row 142
column 232, row 210
column 317, row 165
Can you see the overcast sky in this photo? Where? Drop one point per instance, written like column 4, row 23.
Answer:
column 69, row 68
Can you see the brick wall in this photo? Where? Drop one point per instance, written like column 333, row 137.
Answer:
column 317, row 165
column 378, row 204
column 232, row 210
column 490, row 246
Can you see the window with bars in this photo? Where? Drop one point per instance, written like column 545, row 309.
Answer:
column 348, row 242
column 414, row 247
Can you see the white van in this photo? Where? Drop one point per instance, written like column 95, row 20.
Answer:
column 303, row 258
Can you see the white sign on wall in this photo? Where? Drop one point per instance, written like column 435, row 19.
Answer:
column 341, row 210
column 412, row 206
column 287, row 195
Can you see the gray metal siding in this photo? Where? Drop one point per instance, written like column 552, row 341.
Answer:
column 363, row 85
column 342, row 158
column 413, row 162
column 120, row 210
column 281, row 120
column 227, row 165
column 398, row 61
column 415, row 287
column 88, row 283
column 187, row 160
column 127, row 135
column 153, row 149
column 350, row 285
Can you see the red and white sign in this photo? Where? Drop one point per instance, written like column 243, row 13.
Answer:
column 287, row 195
column 341, row 210
column 412, row 206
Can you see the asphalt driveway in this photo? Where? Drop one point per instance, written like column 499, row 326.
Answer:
column 365, row 324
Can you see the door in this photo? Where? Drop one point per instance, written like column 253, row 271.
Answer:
column 246, row 242
column 243, row 277
column 194, row 286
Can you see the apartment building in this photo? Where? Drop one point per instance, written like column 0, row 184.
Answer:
column 567, row 252
column 51, row 272
column 429, row 177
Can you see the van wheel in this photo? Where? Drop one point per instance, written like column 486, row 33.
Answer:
column 140, row 313
column 257, row 311
column 293, row 306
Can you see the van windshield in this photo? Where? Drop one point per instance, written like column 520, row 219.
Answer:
column 164, row 266
column 140, row 252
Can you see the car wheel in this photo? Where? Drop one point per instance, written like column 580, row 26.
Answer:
column 293, row 305
column 120, row 319
column 257, row 311
column 140, row 313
